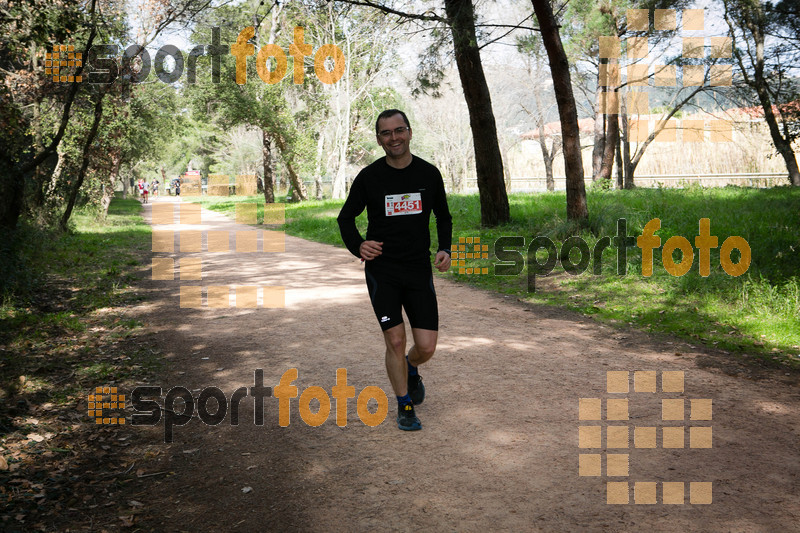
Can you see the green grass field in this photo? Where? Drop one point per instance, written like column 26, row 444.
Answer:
column 752, row 316
column 63, row 328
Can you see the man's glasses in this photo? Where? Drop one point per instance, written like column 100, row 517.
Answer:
column 387, row 134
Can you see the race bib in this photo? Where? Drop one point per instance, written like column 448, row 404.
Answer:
column 403, row 204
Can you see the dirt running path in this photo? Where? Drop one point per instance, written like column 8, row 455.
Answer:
column 499, row 445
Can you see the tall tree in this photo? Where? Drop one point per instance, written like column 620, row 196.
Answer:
column 250, row 96
column 766, row 70
column 445, row 127
column 460, row 20
column 590, row 21
column 340, row 108
column 567, row 111
column 488, row 159
column 32, row 27
column 85, row 159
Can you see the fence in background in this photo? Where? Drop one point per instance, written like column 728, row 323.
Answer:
column 674, row 181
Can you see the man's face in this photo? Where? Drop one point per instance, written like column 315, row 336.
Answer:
column 395, row 144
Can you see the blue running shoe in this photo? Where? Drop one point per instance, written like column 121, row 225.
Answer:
column 416, row 389
column 406, row 418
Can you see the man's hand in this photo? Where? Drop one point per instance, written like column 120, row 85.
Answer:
column 369, row 250
column 442, row 261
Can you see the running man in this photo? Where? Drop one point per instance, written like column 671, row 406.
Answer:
column 399, row 192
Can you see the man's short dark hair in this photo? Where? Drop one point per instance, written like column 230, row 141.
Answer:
column 390, row 113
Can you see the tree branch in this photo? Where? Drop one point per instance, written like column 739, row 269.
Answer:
column 487, row 43
column 416, row 16
column 73, row 90
column 661, row 124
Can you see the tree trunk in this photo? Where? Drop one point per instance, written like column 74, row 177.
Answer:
column 11, row 191
column 567, row 111
column 163, row 176
column 618, row 157
column 506, row 171
column 627, row 167
column 266, row 153
column 56, row 175
column 126, row 184
column 298, row 188
column 488, row 160
column 12, row 174
column 105, row 201
column 343, row 114
column 44, row 175
column 610, row 147
column 340, row 181
column 750, row 16
column 547, row 156
column 318, row 169
column 39, row 176
column 462, row 178
column 783, row 146
column 98, row 114
column 600, row 129
column 108, row 192
column 548, row 172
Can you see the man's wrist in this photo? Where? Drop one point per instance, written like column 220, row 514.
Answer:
column 448, row 251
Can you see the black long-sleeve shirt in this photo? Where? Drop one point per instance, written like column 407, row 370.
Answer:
column 399, row 203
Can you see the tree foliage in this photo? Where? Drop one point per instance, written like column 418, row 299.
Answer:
column 766, row 68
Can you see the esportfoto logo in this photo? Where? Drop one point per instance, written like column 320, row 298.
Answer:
column 512, row 261
column 212, row 407
column 105, row 65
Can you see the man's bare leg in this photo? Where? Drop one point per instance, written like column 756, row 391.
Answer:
column 421, row 352
column 424, row 345
column 397, row 368
column 395, row 338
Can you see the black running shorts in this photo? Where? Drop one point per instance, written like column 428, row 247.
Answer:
column 393, row 287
